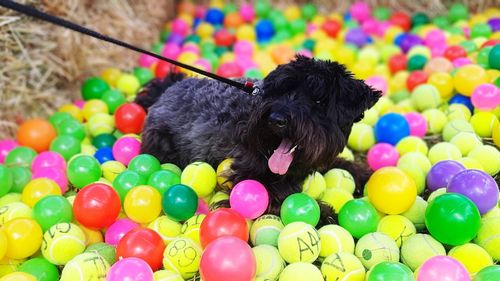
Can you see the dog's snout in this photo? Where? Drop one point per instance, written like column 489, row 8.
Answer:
column 277, row 119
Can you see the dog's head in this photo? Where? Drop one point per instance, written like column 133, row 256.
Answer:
column 306, row 114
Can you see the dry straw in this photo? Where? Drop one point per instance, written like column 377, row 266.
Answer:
column 42, row 66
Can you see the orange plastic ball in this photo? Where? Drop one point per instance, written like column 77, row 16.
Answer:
column 233, row 20
column 37, row 134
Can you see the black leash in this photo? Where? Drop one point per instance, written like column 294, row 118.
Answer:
column 247, row 87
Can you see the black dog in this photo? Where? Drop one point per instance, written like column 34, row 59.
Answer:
column 297, row 126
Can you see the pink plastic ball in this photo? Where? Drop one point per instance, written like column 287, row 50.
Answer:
column 457, row 63
column 202, row 207
column 247, row 12
column 79, row 103
column 55, row 174
column 442, row 268
column 245, row 63
column 243, row 48
column 434, row 37
column 125, row 149
column 180, row 26
column 199, row 11
column 486, row 97
column 171, row 51
column 311, row 28
column 382, row 155
column 203, row 64
column 230, row 70
column 417, row 123
column 191, row 47
column 438, row 50
column 130, row 269
column 146, row 60
column 117, row 230
column 249, row 198
column 382, row 28
column 370, row 26
column 360, row 11
column 5, row 147
column 48, row 159
column 377, row 82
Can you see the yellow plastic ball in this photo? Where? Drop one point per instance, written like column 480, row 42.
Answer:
column 24, row 237
column 93, row 107
column 110, row 75
column 391, row 34
column 362, row 69
column 468, row 77
column 128, row 84
column 495, row 134
column 472, row 256
column 205, row 30
column 142, row 204
column 391, row 191
column 37, row 189
column 292, row 12
column 443, row 83
column 3, row 244
column 166, row 228
column 101, row 123
column 111, row 169
column 183, row 256
column 348, row 56
column 18, row 276
column 9, row 198
column 483, row 123
column 201, row 177
column 72, row 110
column 62, row 242
column 14, row 210
column 246, row 32
column 92, row 236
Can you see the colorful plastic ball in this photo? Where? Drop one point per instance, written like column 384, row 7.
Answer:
column 416, row 62
column 51, row 210
column 6, row 180
column 37, row 189
column 117, row 230
column 382, row 155
column 486, row 97
column 359, row 217
column 300, row 207
column 96, row 206
column 332, row 27
column 71, row 127
column 41, row 269
column 386, row 269
column 235, row 256
column 5, row 147
column 378, row 83
column 494, row 57
column 94, row 88
column 36, row 133
column 264, row 30
column 230, row 70
column 417, row 124
column 48, row 159
column 468, row 77
column 416, row 78
column 478, row 186
column 162, row 180
column 24, row 237
column 130, row 268
column 142, row 204
column 103, row 140
column 126, row 148
column 357, row 37
column 129, row 118
column 223, row 222
column 452, row 219
column 125, row 181
column 180, row 202
column 142, row 243
column 128, row 84
column 21, row 176
column 214, row 16
column 83, row 170
column 104, row 154
column 461, row 99
column 144, row 164
column 391, row 128
column 20, row 156
column 441, row 174
column 397, row 62
column 18, row 276
column 249, row 198
column 67, row 146
column 491, row 272
column 447, row 268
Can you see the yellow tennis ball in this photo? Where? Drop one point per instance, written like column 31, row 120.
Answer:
column 166, row 228
column 86, row 266
column 269, row 263
column 62, row 242
column 361, row 137
column 488, row 156
column 14, row 210
column 336, row 198
column 223, row 172
column 488, row 236
column 436, row 193
column 371, row 117
column 299, row 242
column 416, row 174
column 87, row 150
column 265, row 230
column 191, row 228
column 398, row 227
column 470, row 163
column 167, row 275
column 436, row 120
column 453, row 127
column 201, row 177
column 101, row 123
column 128, row 84
column 411, row 144
column 472, row 256
column 218, row 197
column 183, row 256
column 18, row 276
column 335, row 239
column 92, row 107
column 300, row 271
column 444, row 151
column 348, row 155
column 342, row 266
column 415, row 159
column 339, row 178
column 425, row 96
column 418, row 248
column 111, row 169
column 91, row 236
column 483, row 123
column 458, row 111
column 376, row 247
column 466, row 141
column 314, row 185
column 9, row 198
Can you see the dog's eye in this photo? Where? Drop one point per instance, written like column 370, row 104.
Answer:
column 318, row 102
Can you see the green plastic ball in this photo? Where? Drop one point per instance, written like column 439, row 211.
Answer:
column 494, row 57
column 416, row 62
column 6, row 180
column 441, row 22
column 144, row 164
column 21, row 177
column 298, row 26
column 309, row 10
column 262, row 9
column 163, row 179
column 113, row 99
column 382, row 13
column 488, row 273
column 83, row 170
column 93, row 88
column 157, row 48
column 20, row 156
column 71, row 127
column 104, row 140
column 41, row 269
column 419, row 19
column 359, row 217
column 390, row 271
column 254, row 73
column 458, row 12
column 125, row 181
column 468, row 46
column 144, row 75
column 58, row 117
column 51, row 210
column 300, row 207
column 480, row 30
column 180, row 202
column 66, row 145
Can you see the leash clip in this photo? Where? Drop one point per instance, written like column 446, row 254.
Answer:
column 255, row 91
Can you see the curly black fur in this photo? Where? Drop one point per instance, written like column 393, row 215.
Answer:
column 310, row 102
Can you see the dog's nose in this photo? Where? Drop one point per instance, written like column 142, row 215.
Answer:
column 278, row 120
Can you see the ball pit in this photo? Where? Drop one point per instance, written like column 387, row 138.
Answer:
column 75, row 188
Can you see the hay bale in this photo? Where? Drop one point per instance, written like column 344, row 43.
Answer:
column 43, row 65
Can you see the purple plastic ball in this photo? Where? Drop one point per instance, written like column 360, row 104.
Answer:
column 175, row 38
column 478, row 186
column 409, row 41
column 357, row 37
column 441, row 174
column 494, row 23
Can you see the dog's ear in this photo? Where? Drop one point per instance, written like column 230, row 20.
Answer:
column 287, row 77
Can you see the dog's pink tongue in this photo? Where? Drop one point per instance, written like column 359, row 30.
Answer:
column 281, row 159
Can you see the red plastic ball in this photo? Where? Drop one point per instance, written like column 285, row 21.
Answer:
column 96, row 206
column 401, row 19
column 332, row 27
column 223, row 222
column 454, row 52
column 163, row 68
column 129, row 118
column 224, row 38
column 142, row 243
column 398, row 62
column 230, row 70
column 491, row 42
column 416, row 78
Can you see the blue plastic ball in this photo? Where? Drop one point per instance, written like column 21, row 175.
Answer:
column 391, row 128
column 264, row 30
column 214, row 16
column 458, row 98
column 104, row 154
